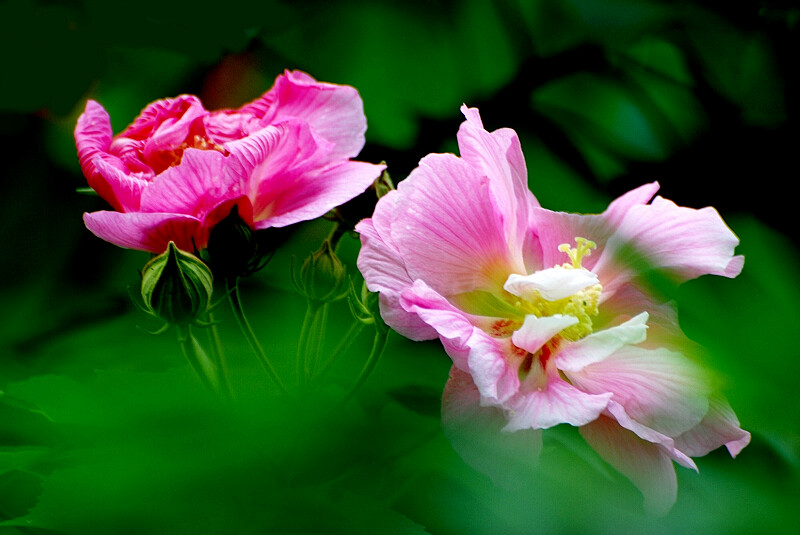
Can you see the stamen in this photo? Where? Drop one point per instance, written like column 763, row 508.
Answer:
column 584, row 248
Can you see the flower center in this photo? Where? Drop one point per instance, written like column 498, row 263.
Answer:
column 567, row 289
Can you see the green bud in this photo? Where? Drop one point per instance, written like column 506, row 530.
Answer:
column 383, row 184
column 323, row 277
column 177, row 286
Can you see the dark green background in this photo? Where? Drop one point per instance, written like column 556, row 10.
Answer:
column 103, row 426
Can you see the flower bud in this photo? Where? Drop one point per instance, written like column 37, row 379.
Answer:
column 177, row 286
column 323, row 277
column 383, row 184
column 232, row 248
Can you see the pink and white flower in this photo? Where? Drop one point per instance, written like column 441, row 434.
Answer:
column 179, row 169
column 546, row 315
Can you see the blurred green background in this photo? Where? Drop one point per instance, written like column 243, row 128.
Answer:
column 103, row 429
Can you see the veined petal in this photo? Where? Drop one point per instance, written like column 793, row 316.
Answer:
column 498, row 156
column 643, row 462
column 552, row 283
column 719, row 426
column 599, row 345
column 202, row 181
column 150, row 232
column 474, row 430
column 685, row 242
column 92, row 135
column 314, row 194
column 658, row 388
column 451, row 324
column 126, row 188
column 335, row 112
column 558, row 402
column 448, row 231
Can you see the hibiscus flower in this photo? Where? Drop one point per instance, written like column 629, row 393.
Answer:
column 178, row 169
column 548, row 316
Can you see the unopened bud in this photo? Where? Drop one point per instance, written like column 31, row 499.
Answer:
column 323, row 277
column 383, row 184
column 177, row 286
column 232, row 248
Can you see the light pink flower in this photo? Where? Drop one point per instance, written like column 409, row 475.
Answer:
column 547, row 315
column 179, row 169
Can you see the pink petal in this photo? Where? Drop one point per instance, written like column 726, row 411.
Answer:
column 313, row 194
column 719, row 426
column 616, row 211
column 686, row 242
column 599, row 345
column 558, row 402
column 448, row 230
column 126, row 188
column 385, row 272
column 451, row 324
column 498, row 156
column 643, row 462
column 150, row 232
column 475, row 433
column 660, row 389
column 335, row 112
column 203, row 180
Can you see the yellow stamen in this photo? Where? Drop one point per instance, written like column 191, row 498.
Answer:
column 576, row 254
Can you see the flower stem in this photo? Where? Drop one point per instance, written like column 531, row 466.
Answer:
column 378, row 345
column 244, row 325
column 219, row 357
column 203, row 366
column 344, row 344
column 310, row 342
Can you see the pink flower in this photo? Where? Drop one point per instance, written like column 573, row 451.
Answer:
column 547, row 315
column 179, row 169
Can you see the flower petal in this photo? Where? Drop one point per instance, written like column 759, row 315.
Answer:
column 719, row 426
column 448, row 230
column 203, row 180
column 498, row 155
column 552, row 283
column 643, row 462
column 150, row 232
column 335, row 112
column 685, row 242
column 474, row 431
column 558, row 402
column 126, row 188
column 599, row 345
column 658, row 388
column 536, row 331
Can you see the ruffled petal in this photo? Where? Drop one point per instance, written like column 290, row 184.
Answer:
column 126, row 188
column 475, row 433
column 684, row 242
column 150, row 232
column 719, row 426
column 557, row 402
column 448, row 231
column 498, row 156
column 643, row 462
column 203, row 181
column 658, row 388
column 335, row 112
column 314, row 194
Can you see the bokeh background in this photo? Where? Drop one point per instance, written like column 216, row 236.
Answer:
column 104, row 430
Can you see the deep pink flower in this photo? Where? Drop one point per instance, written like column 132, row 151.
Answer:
column 547, row 315
column 179, row 169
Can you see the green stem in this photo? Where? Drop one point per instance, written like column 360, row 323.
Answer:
column 344, row 344
column 378, row 345
column 203, row 366
column 244, row 325
column 219, row 357
column 310, row 341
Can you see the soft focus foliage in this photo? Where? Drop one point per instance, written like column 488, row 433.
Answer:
column 103, row 428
